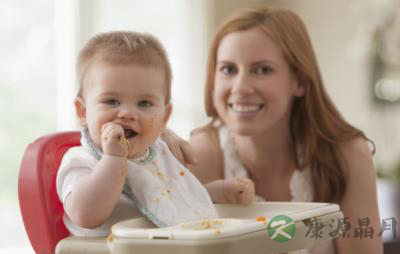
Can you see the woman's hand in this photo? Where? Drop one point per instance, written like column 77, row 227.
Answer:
column 179, row 147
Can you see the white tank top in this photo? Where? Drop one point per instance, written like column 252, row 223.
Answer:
column 301, row 184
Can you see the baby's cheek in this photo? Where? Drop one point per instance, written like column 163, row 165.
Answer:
column 153, row 123
column 95, row 134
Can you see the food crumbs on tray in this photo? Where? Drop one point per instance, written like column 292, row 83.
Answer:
column 218, row 221
column 110, row 238
column 206, row 224
column 217, row 232
column 182, row 173
column 261, row 218
column 211, row 224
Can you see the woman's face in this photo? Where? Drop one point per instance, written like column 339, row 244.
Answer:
column 254, row 86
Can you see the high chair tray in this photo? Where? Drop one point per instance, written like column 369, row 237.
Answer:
column 239, row 229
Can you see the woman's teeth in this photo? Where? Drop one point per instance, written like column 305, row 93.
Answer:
column 245, row 108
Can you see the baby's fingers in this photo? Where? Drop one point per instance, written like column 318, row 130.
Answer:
column 245, row 191
column 113, row 140
column 112, row 132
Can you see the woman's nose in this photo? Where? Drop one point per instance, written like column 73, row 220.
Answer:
column 242, row 84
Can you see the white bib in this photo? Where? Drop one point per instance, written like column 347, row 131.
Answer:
column 161, row 187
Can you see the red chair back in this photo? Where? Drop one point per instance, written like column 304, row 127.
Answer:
column 41, row 210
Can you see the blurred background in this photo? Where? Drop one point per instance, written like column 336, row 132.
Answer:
column 357, row 45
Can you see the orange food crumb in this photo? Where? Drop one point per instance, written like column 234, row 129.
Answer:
column 181, row 173
column 260, row 218
column 110, row 238
column 160, row 175
column 207, row 224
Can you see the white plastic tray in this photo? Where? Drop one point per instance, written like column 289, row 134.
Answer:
column 237, row 231
column 235, row 224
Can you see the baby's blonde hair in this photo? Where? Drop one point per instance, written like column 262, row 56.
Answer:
column 123, row 47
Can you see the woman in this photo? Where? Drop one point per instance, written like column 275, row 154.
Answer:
column 274, row 123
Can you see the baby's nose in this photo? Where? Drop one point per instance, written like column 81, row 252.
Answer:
column 127, row 113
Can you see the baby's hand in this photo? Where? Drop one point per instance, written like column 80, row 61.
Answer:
column 240, row 190
column 113, row 140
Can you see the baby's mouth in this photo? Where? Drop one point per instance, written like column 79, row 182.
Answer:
column 129, row 133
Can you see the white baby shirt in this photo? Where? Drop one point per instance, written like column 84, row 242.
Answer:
column 158, row 186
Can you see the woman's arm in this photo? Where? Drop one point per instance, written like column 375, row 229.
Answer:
column 209, row 170
column 360, row 200
column 209, row 161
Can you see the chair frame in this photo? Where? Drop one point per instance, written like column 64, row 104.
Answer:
column 41, row 210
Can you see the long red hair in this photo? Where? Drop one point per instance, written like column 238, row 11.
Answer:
column 315, row 124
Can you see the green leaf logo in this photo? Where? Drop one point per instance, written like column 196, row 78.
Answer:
column 281, row 228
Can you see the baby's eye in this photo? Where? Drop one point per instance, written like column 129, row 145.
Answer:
column 228, row 69
column 262, row 70
column 145, row 103
column 111, row 102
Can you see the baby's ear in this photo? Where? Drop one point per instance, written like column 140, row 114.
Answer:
column 80, row 110
column 167, row 113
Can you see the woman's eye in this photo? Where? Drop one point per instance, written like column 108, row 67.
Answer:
column 111, row 102
column 145, row 104
column 262, row 70
column 228, row 69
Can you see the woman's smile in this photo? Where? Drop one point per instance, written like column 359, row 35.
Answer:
column 245, row 109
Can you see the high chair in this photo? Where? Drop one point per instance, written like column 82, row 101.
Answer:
column 41, row 210
column 237, row 230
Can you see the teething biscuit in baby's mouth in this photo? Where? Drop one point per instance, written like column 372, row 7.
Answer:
column 122, row 140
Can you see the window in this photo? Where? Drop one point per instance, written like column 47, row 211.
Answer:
column 27, row 99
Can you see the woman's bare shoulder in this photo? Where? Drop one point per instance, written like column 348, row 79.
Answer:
column 360, row 199
column 357, row 151
column 205, row 144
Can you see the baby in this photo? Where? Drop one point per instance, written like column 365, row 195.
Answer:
column 123, row 169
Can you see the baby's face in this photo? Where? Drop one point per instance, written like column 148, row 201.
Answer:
column 130, row 95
